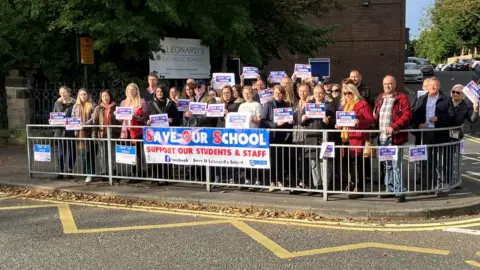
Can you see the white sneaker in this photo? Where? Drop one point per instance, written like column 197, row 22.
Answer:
column 282, row 188
column 88, row 179
column 272, row 187
column 231, row 181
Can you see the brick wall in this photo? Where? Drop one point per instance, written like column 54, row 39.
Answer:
column 369, row 38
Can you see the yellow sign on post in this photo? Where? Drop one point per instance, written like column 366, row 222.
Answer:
column 86, row 50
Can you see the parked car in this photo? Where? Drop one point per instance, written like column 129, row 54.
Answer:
column 439, row 67
column 463, row 64
column 425, row 66
column 412, row 73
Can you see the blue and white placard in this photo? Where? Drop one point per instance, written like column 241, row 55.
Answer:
column 327, row 150
column 182, row 104
column 417, row 153
column 282, row 115
column 265, row 95
column 250, row 72
column 42, row 152
column 277, row 76
column 57, row 118
column 313, row 110
column 73, row 123
column 345, row 119
column 387, row 153
column 238, row 120
column 125, row 154
column 303, row 71
column 159, row 120
column 124, row 113
column 199, row 108
column 222, row 79
column 216, row 110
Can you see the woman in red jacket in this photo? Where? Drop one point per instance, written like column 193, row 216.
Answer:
column 353, row 158
column 133, row 99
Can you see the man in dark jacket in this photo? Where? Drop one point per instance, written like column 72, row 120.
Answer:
column 149, row 93
column 430, row 111
column 392, row 113
column 201, row 95
column 363, row 89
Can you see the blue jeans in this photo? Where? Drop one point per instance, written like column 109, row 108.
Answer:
column 64, row 147
column 392, row 173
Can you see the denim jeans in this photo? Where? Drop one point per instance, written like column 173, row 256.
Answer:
column 392, row 170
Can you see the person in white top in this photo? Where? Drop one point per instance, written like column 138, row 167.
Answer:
column 250, row 106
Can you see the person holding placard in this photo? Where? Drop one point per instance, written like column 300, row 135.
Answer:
column 139, row 106
column 201, row 95
column 352, row 101
column 83, row 109
column 298, row 164
column 392, row 113
column 251, row 107
column 312, row 155
column 279, row 156
column 291, row 97
column 104, row 115
column 65, row 104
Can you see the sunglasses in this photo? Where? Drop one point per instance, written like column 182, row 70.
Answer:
column 336, row 91
column 347, row 93
column 456, row 92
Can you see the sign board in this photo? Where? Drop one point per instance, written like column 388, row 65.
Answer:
column 327, row 150
column 216, row 110
column 345, row 119
column 42, row 152
column 86, row 51
column 243, row 148
column 73, row 123
column 222, row 79
column 183, row 58
column 417, row 153
column 238, row 120
column 199, row 108
column 57, row 118
column 277, row 76
column 303, row 71
column 282, row 115
column 125, row 154
column 250, row 72
column 182, row 104
column 265, row 95
column 159, row 120
column 123, row 113
column 388, row 153
column 313, row 110
column 472, row 91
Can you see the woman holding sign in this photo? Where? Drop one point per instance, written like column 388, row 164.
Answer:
column 64, row 104
column 104, row 115
column 313, row 118
column 83, row 109
column 139, row 107
column 355, row 114
column 278, row 114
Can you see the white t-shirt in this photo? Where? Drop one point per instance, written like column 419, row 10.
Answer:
column 252, row 108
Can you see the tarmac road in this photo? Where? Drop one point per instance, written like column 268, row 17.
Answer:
column 48, row 235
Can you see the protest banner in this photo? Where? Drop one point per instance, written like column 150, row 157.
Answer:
column 265, row 95
column 159, row 120
column 313, row 110
column 57, row 118
column 277, row 76
column 387, row 153
column 222, row 79
column 216, row 110
column 125, row 154
column 244, row 148
column 238, row 120
column 182, row 104
column 124, row 113
column 345, row 119
column 472, row 91
column 250, row 72
column 282, row 115
column 303, row 71
column 73, row 123
column 417, row 153
column 199, row 108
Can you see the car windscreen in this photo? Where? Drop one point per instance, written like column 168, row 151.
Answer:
column 410, row 66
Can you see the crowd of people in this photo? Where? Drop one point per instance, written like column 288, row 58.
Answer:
column 299, row 167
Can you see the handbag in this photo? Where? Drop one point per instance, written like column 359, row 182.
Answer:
column 369, row 152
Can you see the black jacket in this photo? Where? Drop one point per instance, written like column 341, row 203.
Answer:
column 445, row 113
column 267, row 122
column 147, row 96
column 231, row 106
column 201, row 120
column 169, row 108
column 315, row 138
column 67, row 109
column 464, row 111
column 367, row 94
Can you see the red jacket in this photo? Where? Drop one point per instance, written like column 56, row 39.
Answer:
column 363, row 113
column 401, row 116
column 134, row 132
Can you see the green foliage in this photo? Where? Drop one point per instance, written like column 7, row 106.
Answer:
column 43, row 33
column 453, row 25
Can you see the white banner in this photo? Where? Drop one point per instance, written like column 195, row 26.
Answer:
column 183, row 58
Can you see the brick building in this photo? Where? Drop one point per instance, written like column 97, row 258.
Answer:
column 370, row 38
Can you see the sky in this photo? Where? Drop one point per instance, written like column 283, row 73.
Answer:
column 415, row 10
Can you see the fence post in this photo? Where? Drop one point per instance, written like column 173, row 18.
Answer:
column 110, row 163
column 207, row 174
column 28, row 153
column 325, row 170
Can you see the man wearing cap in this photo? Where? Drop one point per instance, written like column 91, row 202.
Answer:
column 201, row 95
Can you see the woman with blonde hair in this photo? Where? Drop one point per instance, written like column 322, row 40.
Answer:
column 290, row 97
column 139, row 109
column 83, row 109
column 352, row 101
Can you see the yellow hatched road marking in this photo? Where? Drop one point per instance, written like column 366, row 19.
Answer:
column 473, row 139
column 473, row 263
column 22, row 207
column 66, row 217
column 8, row 197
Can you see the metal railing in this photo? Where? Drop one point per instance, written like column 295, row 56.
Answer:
column 295, row 167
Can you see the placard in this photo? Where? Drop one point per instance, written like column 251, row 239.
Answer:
column 225, row 147
column 421, row 93
column 216, row 110
column 124, row 113
column 250, row 72
column 182, row 104
column 345, row 119
column 238, row 120
column 472, row 91
column 42, row 152
column 159, row 120
column 73, row 123
column 303, row 71
column 221, row 79
column 282, row 115
column 265, row 95
column 327, row 150
column 199, row 108
column 277, row 76
column 125, row 154
column 387, row 153
column 57, row 118
column 313, row 110
column 417, row 153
